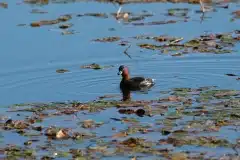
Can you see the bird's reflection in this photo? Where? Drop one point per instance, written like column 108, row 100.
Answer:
column 126, row 94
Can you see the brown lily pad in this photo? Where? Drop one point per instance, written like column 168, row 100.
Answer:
column 15, row 124
column 225, row 93
column 88, row 123
column 212, row 43
column 3, row 5
column 200, row 141
column 126, row 111
column 63, row 18
column 57, row 133
column 131, row 142
column 95, row 66
column 236, row 14
column 51, row 132
column 42, row 2
column 179, row 156
column 108, row 39
column 44, row 22
column 80, row 136
column 150, row 46
column 65, row 26
column 120, row 135
column 92, row 66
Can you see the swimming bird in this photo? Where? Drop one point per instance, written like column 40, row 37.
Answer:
column 135, row 83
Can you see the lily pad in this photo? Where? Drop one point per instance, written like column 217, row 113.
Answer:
column 236, row 14
column 65, row 26
column 63, row 18
column 155, row 23
column 37, row 11
column 62, row 70
column 100, row 15
column 131, row 142
column 178, row 12
column 3, row 5
column 92, row 66
column 108, row 39
column 95, row 66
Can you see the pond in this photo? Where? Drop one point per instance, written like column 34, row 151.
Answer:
column 48, row 45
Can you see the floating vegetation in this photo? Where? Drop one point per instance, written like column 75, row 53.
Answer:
column 62, row 70
column 65, row 26
column 211, row 43
column 178, row 12
column 92, row 66
column 95, row 66
column 42, row 2
column 37, row 11
column 236, row 14
column 100, row 15
column 68, row 32
column 3, row 5
column 139, row 17
column 16, row 152
column 182, row 117
column 154, row 23
column 107, row 39
column 129, row 17
column 63, row 18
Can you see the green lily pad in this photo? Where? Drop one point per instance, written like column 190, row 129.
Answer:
column 178, row 12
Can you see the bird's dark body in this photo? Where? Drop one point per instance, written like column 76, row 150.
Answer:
column 136, row 83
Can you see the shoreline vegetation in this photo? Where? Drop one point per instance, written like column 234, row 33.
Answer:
column 183, row 118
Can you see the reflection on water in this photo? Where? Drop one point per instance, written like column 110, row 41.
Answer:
column 126, row 94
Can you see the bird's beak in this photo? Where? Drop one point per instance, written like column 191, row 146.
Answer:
column 120, row 73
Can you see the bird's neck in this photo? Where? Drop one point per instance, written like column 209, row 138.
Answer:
column 126, row 77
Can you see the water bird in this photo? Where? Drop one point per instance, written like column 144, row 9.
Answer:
column 135, row 83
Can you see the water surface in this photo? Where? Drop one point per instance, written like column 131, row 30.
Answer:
column 30, row 57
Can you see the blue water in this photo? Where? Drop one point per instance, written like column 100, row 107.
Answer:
column 30, row 56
